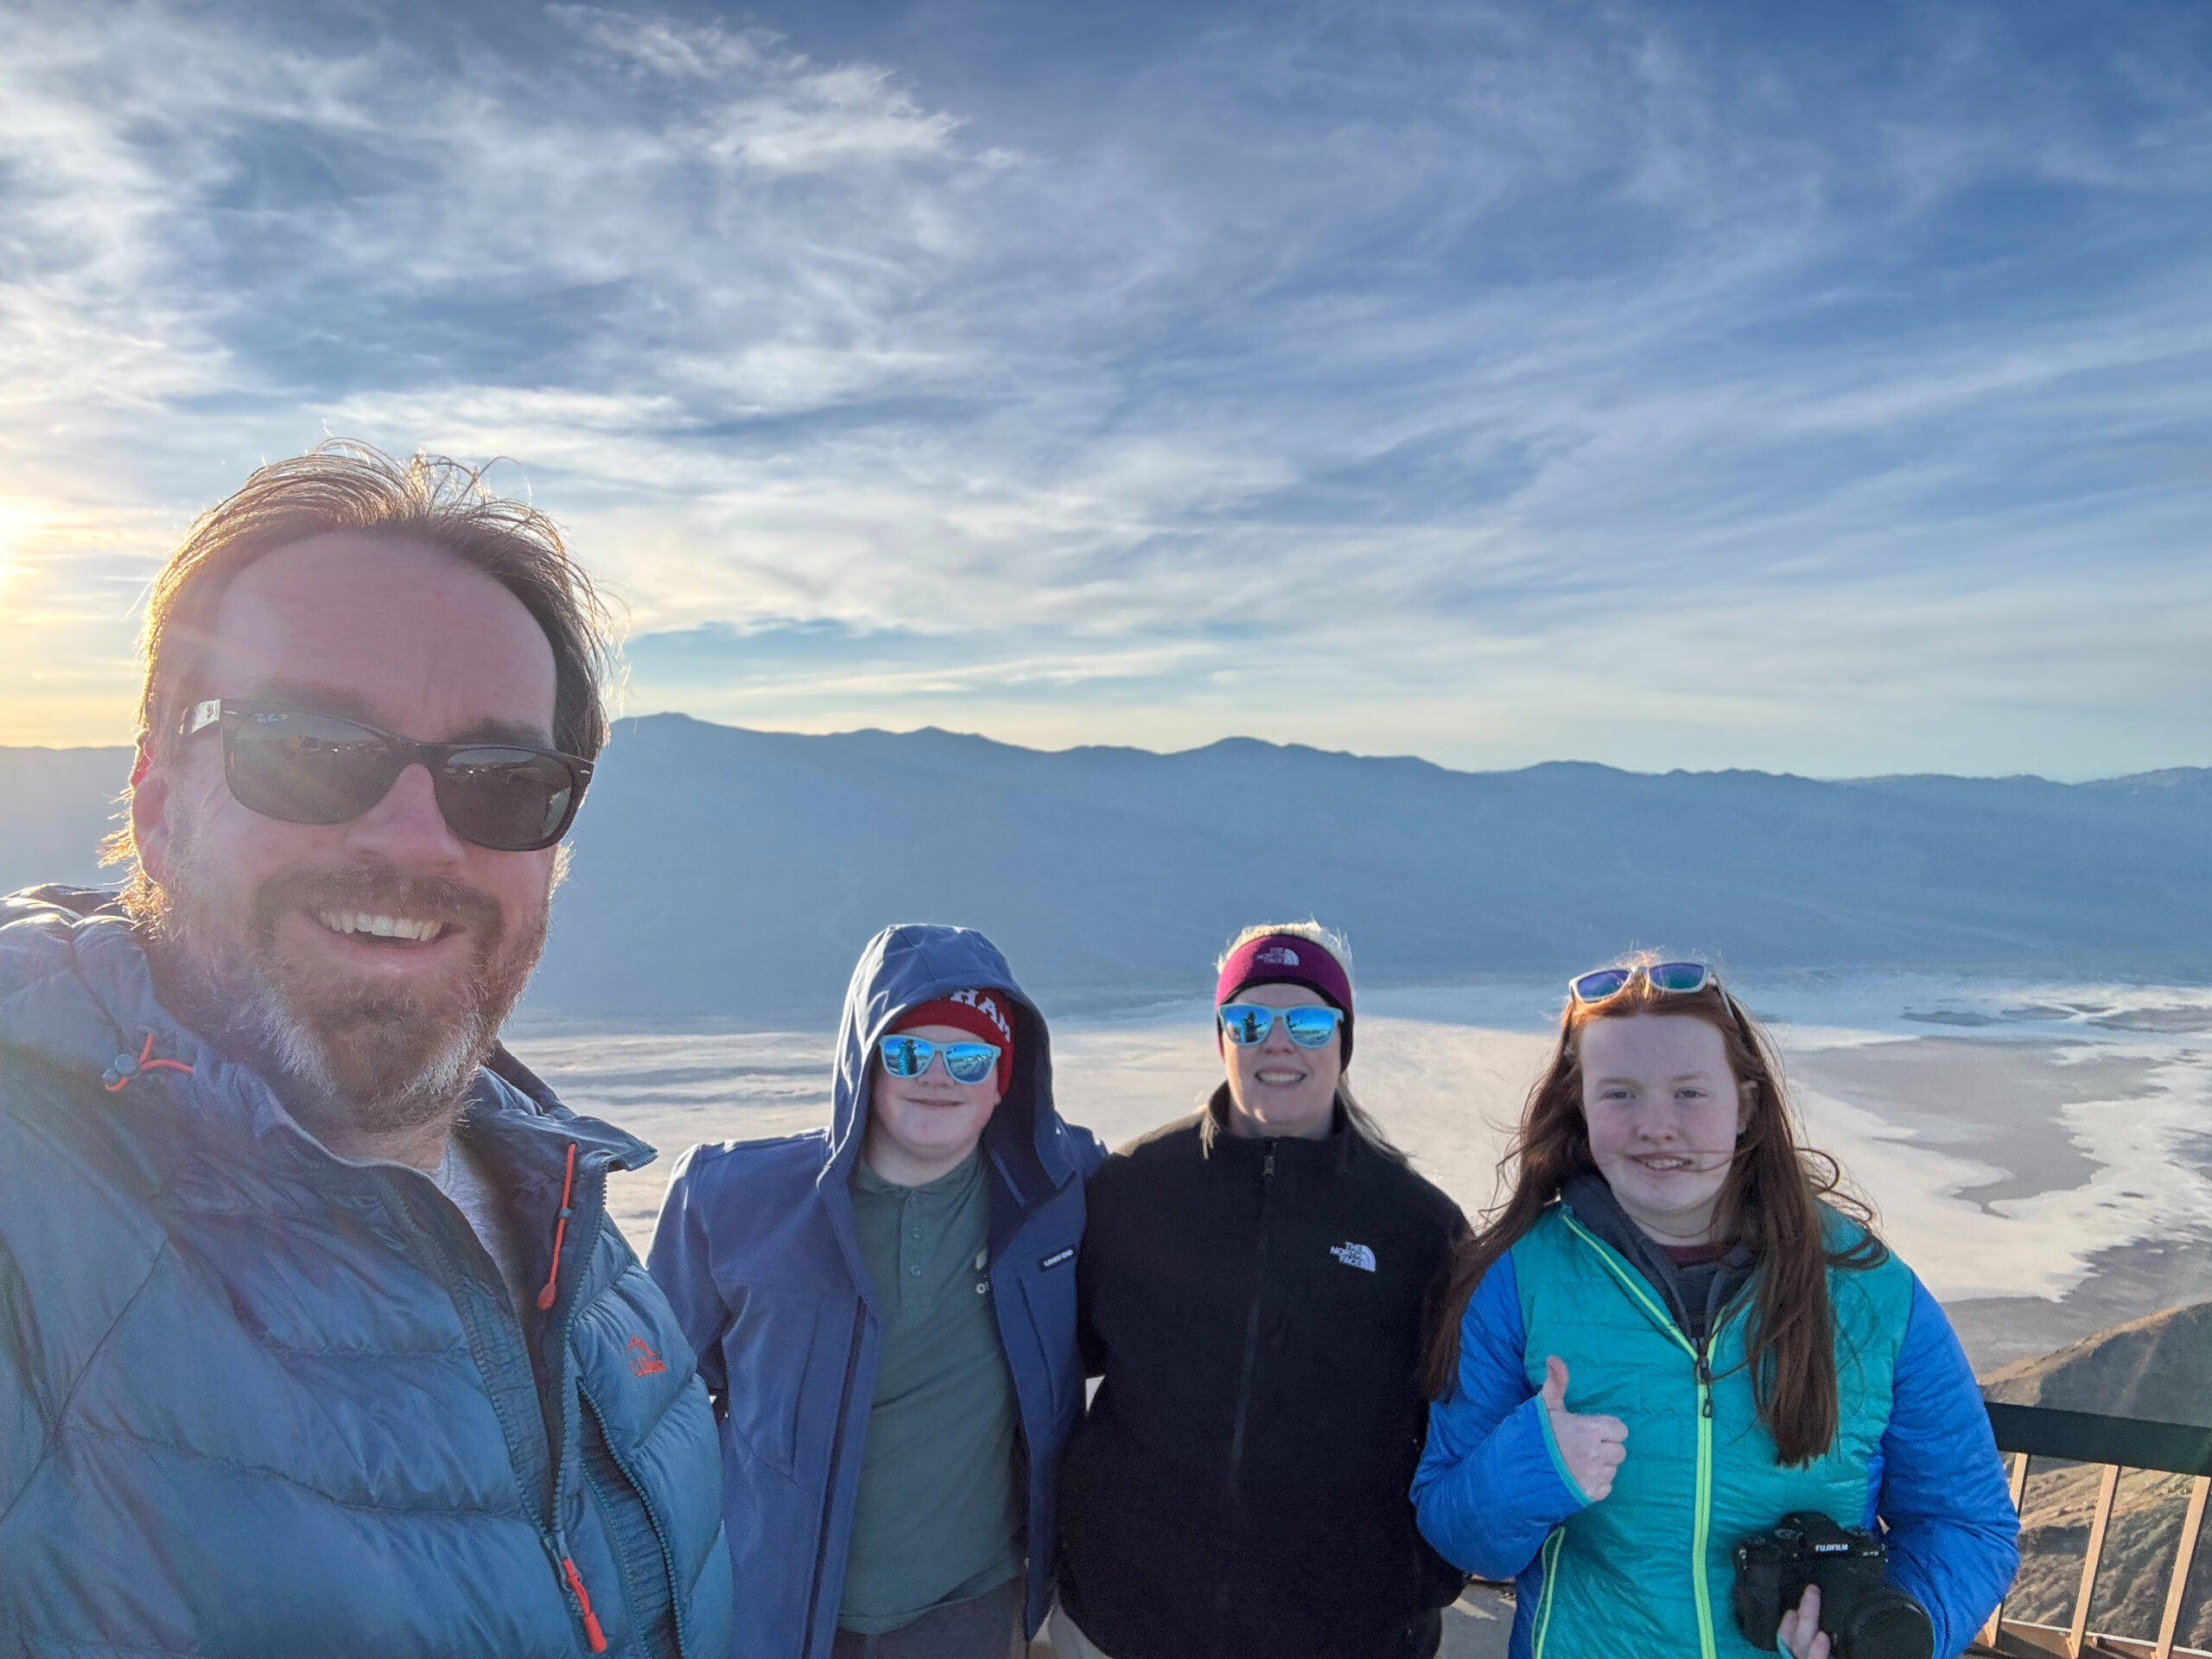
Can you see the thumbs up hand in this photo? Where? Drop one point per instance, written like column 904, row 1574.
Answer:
column 1592, row 1447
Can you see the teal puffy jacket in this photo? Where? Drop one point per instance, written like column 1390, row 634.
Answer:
column 1646, row 1570
column 256, row 1401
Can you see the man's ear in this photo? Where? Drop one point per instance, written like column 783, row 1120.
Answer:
column 150, row 811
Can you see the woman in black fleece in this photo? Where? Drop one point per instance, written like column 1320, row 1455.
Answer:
column 1253, row 1286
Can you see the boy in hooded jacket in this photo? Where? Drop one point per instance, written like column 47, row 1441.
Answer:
column 885, row 1313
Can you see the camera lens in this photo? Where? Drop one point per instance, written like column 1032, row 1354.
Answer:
column 1886, row 1626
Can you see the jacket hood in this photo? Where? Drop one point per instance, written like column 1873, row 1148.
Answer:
column 906, row 966
column 77, row 992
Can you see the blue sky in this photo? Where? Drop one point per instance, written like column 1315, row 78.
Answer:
column 1819, row 388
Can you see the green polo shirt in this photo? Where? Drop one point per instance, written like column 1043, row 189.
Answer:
column 940, row 1515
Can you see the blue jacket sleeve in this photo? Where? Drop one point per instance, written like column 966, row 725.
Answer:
column 1953, row 1538
column 1492, row 1484
column 684, row 1268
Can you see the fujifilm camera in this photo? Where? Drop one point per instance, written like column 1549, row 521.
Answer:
column 1865, row 1616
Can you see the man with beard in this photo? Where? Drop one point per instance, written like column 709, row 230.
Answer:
column 315, row 1335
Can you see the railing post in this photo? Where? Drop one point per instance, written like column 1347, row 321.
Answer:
column 1989, row 1635
column 2106, row 1490
column 2184, row 1556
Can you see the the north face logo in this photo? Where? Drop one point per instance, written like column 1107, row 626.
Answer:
column 1278, row 956
column 987, row 1005
column 643, row 1362
column 1354, row 1255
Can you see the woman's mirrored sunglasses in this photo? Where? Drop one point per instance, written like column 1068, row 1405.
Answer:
column 1606, row 983
column 1309, row 1026
column 909, row 1057
column 310, row 768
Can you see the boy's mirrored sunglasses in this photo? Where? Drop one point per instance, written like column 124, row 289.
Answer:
column 1310, row 1026
column 309, row 768
column 1606, row 984
column 909, row 1057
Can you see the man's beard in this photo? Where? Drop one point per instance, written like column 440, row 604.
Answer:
column 374, row 1058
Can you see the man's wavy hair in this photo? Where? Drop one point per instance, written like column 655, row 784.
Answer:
column 342, row 486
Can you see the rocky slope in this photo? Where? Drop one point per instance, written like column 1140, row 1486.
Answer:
column 2158, row 1368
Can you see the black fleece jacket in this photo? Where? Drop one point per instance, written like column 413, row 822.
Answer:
column 1239, row 1487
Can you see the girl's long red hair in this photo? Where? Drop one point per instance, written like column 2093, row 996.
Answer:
column 1772, row 1201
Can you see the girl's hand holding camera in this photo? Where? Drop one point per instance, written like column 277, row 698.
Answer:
column 1800, row 1634
column 1594, row 1446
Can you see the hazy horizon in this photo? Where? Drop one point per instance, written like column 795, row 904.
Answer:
column 1234, row 737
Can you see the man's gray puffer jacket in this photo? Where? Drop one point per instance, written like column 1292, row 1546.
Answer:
column 256, row 1401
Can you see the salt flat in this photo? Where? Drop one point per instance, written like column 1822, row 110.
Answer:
column 2040, row 1153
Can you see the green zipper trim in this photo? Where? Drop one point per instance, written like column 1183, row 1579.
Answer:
column 1702, row 1526
column 1550, row 1552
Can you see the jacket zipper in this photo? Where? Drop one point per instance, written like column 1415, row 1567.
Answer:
column 582, row 1214
column 1702, row 1370
column 1550, row 1554
column 555, row 1426
column 1244, row 1398
column 660, row 1535
column 592, row 1633
column 829, row 1488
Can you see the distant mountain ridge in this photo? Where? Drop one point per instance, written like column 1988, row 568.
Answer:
column 723, row 871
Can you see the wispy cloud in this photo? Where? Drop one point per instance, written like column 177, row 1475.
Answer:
column 1667, row 385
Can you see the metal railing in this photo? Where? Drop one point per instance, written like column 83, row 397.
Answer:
column 2026, row 1433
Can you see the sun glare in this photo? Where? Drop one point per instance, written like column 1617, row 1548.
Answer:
column 19, row 523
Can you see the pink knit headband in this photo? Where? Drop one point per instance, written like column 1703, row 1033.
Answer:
column 1283, row 957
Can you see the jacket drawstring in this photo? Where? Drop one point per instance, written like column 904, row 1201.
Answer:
column 593, row 1634
column 125, row 1068
column 545, row 1300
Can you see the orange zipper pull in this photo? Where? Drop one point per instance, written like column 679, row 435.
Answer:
column 593, row 1634
column 560, row 1237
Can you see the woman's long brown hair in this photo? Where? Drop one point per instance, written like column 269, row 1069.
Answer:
column 1772, row 1202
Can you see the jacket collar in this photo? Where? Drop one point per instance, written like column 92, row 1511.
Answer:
column 1335, row 1151
column 1589, row 1199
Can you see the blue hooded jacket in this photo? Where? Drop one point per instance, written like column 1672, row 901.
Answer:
column 257, row 1400
column 757, row 1250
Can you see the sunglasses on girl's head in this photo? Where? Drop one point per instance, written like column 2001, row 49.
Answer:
column 309, row 768
column 909, row 1057
column 1606, row 984
column 1247, row 1023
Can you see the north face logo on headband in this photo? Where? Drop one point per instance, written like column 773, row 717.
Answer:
column 1280, row 955
column 987, row 1005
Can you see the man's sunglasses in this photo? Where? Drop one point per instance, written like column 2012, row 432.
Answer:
column 1679, row 978
column 1310, row 1027
column 309, row 768
column 909, row 1057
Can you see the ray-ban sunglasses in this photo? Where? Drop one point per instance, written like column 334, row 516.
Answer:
column 309, row 768
column 909, row 1057
column 1249, row 1023
column 1678, row 978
